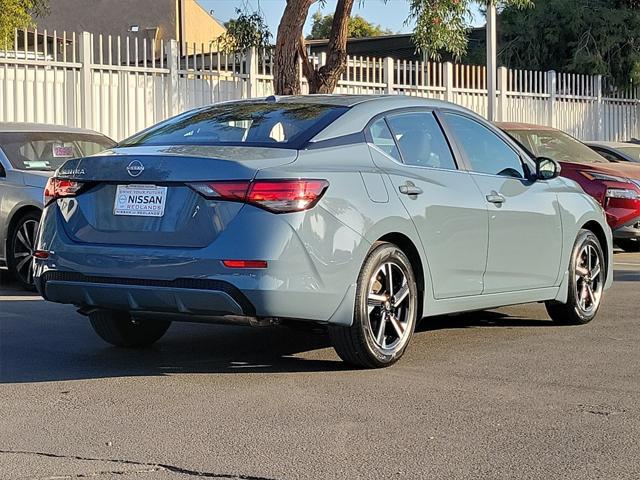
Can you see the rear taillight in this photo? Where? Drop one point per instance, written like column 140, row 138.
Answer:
column 59, row 188
column 279, row 196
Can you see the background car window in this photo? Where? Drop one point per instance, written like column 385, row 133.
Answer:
column 49, row 150
column 557, row 145
column 608, row 155
column 383, row 139
column 421, row 140
column 487, row 153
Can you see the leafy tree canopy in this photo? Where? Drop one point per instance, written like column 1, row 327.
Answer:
column 443, row 25
column 18, row 14
column 586, row 37
column 358, row 27
column 246, row 31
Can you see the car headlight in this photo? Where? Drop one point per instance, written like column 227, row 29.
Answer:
column 604, row 177
column 625, row 193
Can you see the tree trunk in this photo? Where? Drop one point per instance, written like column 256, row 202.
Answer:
column 326, row 78
column 286, row 77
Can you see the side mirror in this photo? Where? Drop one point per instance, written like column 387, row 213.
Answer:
column 547, row 168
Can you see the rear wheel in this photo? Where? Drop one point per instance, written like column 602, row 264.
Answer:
column 586, row 283
column 629, row 244
column 21, row 246
column 122, row 330
column 385, row 311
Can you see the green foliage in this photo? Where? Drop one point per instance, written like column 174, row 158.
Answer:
column 358, row 27
column 442, row 25
column 247, row 31
column 18, row 14
column 594, row 37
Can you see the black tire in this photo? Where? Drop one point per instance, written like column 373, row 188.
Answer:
column 573, row 312
column 357, row 344
column 20, row 248
column 119, row 329
column 629, row 244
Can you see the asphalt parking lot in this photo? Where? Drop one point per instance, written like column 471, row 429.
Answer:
column 500, row 394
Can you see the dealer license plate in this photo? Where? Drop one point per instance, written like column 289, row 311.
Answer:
column 140, row 200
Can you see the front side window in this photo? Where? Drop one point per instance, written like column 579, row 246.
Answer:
column 421, row 140
column 486, row 151
column 47, row 151
column 267, row 124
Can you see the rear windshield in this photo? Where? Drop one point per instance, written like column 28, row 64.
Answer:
column 556, row 145
column 47, row 151
column 268, row 124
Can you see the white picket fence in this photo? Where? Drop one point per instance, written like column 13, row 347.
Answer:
column 119, row 86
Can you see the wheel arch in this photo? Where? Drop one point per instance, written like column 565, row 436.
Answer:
column 411, row 251
column 599, row 232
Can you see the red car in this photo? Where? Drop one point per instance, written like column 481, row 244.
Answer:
column 615, row 185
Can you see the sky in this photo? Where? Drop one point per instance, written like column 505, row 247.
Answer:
column 391, row 14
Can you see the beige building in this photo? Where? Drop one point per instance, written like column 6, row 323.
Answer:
column 182, row 20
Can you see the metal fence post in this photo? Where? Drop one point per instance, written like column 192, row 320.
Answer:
column 552, row 88
column 173, row 94
column 388, row 74
column 448, row 81
column 503, row 87
column 86, row 98
column 599, row 109
column 251, row 60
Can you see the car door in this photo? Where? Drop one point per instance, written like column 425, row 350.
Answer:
column 525, row 230
column 443, row 201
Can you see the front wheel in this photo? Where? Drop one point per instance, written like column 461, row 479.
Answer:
column 587, row 274
column 122, row 330
column 385, row 311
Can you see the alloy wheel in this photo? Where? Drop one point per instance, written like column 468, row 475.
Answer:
column 388, row 307
column 589, row 279
column 23, row 249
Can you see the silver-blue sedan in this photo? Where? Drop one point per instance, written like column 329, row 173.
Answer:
column 363, row 214
column 29, row 154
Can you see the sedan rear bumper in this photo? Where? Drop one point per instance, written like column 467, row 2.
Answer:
column 182, row 296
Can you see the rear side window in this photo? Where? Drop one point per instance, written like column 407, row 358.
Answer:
column 421, row 140
column 269, row 124
column 46, row 151
column 382, row 138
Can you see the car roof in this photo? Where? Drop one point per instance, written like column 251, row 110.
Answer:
column 345, row 100
column 43, row 127
column 613, row 144
column 362, row 108
column 516, row 126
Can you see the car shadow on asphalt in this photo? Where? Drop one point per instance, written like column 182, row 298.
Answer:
column 486, row 318
column 38, row 344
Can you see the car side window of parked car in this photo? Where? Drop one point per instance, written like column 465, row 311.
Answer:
column 612, row 157
column 382, row 138
column 485, row 151
column 421, row 140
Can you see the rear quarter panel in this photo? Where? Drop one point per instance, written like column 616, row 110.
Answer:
column 362, row 216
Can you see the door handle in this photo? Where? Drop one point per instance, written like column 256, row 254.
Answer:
column 495, row 197
column 410, row 189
